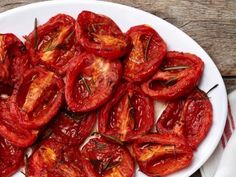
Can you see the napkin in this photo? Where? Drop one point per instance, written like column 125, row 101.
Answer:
column 222, row 163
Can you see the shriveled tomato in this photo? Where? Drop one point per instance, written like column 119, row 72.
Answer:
column 90, row 82
column 37, row 98
column 178, row 75
column 72, row 128
column 128, row 115
column 160, row 155
column 54, row 159
column 13, row 58
column 53, row 43
column 11, row 130
column 11, row 158
column 172, row 119
column 101, row 35
column 108, row 159
column 146, row 55
column 190, row 117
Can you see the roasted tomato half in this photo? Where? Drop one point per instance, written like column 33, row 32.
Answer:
column 128, row 115
column 146, row 55
column 13, row 58
column 53, row 43
column 100, row 35
column 108, row 159
column 178, row 75
column 90, row 82
column 72, row 128
column 54, row 159
column 11, row 130
column 160, row 155
column 37, row 98
column 11, row 158
column 190, row 117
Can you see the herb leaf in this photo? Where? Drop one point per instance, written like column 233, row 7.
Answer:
column 147, row 46
column 109, row 137
column 85, row 84
column 26, row 165
column 174, row 68
column 35, row 33
column 212, row 88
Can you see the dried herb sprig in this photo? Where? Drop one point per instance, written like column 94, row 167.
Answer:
column 35, row 33
column 85, row 84
column 174, row 68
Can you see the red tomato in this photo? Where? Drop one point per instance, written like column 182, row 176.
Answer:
column 128, row 115
column 177, row 76
column 90, row 82
column 53, row 44
column 11, row 130
column 53, row 159
column 108, row 159
column 198, row 116
column 160, row 155
column 101, row 35
column 146, row 55
column 73, row 128
column 13, row 58
column 172, row 120
column 190, row 117
column 11, row 158
column 37, row 98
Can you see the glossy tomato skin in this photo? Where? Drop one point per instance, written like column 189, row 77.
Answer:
column 160, row 155
column 146, row 55
column 11, row 158
column 37, row 98
column 11, row 130
column 190, row 117
column 128, row 115
column 71, row 128
column 101, row 35
column 53, row 44
column 170, row 84
column 198, row 115
column 90, row 81
column 54, row 159
column 13, row 58
column 108, row 159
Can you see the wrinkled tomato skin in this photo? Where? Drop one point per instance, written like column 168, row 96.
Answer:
column 161, row 155
column 37, row 98
column 90, row 82
column 167, row 84
column 13, row 58
column 72, row 129
column 56, row 44
column 128, row 115
column 108, row 159
column 11, row 158
column 11, row 130
column 101, row 35
column 198, row 115
column 148, row 51
column 54, row 159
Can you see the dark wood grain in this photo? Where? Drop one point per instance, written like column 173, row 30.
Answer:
column 212, row 23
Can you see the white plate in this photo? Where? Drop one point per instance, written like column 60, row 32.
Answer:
column 20, row 21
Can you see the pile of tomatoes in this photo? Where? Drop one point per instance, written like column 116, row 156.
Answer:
column 70, row 74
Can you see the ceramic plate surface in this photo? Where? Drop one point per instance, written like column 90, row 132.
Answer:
column 20, row 21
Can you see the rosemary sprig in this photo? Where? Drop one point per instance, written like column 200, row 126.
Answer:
column 85, row 84
column 109, row 165
column 146, row 47
column 108, row 137
column 69, row 37
column 26, row 165
column 174, row 68
column 212, row 88
column 35, row 33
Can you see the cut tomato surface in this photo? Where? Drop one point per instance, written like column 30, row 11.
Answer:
column 53, row 44
column 128, row 115
column 178, row 75
column 37, row 98
column 108, row 159
column 100, row 35
column 160, row 155
column 11, row 158
column 90, row 82
column 146, row 55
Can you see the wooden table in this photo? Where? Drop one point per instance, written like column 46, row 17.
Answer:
column 212, row 23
